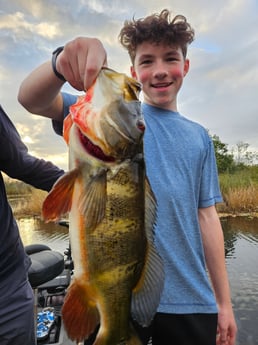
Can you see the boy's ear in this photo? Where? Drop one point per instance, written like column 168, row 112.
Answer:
column 186, row 66
column 133, row 73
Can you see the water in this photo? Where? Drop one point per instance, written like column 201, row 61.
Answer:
column 34, row 230
column 241, row 244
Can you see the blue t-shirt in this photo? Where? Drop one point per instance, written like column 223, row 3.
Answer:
column 181, row 167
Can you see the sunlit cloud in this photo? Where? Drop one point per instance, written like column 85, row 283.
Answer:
column 27, row 140
column 17, row 23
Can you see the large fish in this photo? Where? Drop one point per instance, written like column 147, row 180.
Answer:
column 117, row 273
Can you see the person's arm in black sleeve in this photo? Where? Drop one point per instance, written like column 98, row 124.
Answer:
column 17, row 163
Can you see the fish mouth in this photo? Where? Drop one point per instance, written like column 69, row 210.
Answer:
column 93, row 149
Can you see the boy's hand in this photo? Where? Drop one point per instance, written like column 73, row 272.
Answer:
column 80, row 61
column 227, row 328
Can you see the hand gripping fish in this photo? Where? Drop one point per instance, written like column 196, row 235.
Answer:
column 117, row 273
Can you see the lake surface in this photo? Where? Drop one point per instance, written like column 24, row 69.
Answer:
column 241, row 244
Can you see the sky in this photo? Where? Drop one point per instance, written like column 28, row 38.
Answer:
column 220, row 91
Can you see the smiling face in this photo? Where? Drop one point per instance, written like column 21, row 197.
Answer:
column 161, row 70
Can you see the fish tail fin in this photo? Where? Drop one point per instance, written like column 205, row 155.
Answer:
column 79, row 312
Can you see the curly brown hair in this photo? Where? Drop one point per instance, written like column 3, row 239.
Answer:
column 157, row 29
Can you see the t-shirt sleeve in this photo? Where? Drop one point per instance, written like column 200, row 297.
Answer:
column 68, row 100
column 209, row 190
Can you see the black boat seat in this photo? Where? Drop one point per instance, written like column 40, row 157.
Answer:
column 46, row 264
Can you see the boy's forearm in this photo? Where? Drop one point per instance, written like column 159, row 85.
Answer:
column 213, row 242
column 40, row 94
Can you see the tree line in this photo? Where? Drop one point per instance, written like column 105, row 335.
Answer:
column 236, row 158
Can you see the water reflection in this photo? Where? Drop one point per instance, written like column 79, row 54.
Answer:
column 34, row 230
column 236, row 228
column 241, row 245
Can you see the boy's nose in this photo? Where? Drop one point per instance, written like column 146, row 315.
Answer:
column 160, row 71
column 160, row 74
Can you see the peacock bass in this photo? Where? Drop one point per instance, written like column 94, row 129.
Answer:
column 118, row 274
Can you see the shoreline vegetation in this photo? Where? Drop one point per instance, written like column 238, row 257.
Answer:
column 239, row 191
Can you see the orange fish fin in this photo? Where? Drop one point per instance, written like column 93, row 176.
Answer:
column 68, row 122
column 92, row 202
column 80, row 314
column 147, row 292
column 59, row 200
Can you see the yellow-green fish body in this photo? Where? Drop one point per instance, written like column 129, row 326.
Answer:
column 118, row 274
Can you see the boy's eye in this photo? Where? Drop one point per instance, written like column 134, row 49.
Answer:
column 145, row 62
column 172, row 58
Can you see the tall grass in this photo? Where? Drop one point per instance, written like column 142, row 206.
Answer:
column 28, row 200
column 240, row 191
column 31, row 205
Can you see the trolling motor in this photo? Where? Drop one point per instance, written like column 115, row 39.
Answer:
column 46, row 265
column 49, row 276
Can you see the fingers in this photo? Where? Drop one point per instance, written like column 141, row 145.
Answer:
column 222, row 338
column 225, row 338
column 80, row 61
column 96, row 59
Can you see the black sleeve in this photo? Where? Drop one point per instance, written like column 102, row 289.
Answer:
column 17, row 163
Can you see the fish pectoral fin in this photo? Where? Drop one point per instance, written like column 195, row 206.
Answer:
column 59, row 200
column 146, row 294
column 92, row 203
column 80, row 314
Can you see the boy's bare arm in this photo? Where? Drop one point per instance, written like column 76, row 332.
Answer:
column 213, row 242
column 40, row 93
column 79, row 63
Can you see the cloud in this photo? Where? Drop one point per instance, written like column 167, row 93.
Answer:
column 220, row 90
column 17, row 24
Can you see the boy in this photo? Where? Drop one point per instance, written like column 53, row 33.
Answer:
column 180, row 165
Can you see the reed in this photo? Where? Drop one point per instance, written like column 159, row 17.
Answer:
column 238, row 200
column 30, row 205
column 239, row 191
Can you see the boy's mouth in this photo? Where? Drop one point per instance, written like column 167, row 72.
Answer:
column 161, row 85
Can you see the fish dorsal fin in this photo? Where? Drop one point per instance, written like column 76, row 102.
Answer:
column 146, row 294
column 150, row 211
column 58, row 201
column 92, row 201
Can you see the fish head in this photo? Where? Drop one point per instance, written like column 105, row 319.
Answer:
column 107, row 121
column 123, row 127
